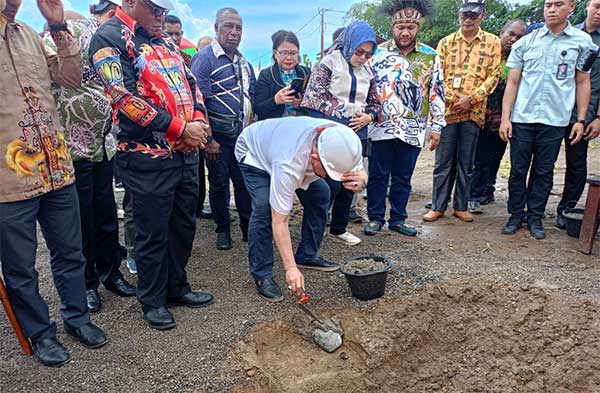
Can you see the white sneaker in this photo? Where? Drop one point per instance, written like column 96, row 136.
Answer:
column 348, row 238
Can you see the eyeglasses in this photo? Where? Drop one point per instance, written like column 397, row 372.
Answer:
column 286, row 53
column 155, row 10
column 469, row 15
column 363, row 53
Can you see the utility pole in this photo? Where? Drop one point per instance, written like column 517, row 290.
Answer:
column 322, row 12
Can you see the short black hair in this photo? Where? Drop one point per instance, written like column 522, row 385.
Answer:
column 172, row 20
column 281, row 36
column 512, row 22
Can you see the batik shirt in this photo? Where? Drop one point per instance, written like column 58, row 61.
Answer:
column 152, row 92
column 470, row 69
column 411, row 92
column 34, row 158
column 85, row 112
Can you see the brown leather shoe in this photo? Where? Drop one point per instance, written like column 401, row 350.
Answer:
column 463, row 215
column 432, row 216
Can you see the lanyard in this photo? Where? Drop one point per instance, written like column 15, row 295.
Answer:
column 460, row 49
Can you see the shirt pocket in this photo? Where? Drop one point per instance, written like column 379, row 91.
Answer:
column 570, row 59
column 533, row 61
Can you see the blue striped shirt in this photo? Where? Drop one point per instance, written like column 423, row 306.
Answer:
column 219, row 81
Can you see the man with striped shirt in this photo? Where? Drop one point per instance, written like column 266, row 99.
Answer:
column 227, row 82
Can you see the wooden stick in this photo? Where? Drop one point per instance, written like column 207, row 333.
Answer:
column 23, row 341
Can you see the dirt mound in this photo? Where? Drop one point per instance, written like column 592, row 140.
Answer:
column 450, row 337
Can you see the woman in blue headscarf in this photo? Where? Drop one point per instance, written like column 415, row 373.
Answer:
column 342, row 88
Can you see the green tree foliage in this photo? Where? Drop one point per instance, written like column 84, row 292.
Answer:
column 445, row 18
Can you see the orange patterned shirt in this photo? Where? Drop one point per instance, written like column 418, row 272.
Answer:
column 471, row 69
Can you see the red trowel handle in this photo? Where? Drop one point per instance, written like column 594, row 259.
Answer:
column 303, row 298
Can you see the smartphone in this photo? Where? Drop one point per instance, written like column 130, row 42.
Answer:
column 298, row 85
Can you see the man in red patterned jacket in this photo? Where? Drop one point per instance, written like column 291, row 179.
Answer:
column 159, row 110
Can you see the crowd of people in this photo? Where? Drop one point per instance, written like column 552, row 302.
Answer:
column 124, row 94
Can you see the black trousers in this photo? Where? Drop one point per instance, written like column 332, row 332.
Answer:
column 536, row 146
column 58, row 215
column 99, row 224
column 165, row 195
column 576, row 173
column 490, row 150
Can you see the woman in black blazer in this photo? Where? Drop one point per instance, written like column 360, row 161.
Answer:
column 274, row 96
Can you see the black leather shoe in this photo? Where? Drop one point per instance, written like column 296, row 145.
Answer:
column 224, row 241
column 319, row 264
column 353, row 216
column 560, row 221
column 159, row 318
column 512, row 226
column 94, row 303
column 120, row 286
column 192, row 300
column 51, row 353
column 90, row 335
column 536, row 229
column 269, row 289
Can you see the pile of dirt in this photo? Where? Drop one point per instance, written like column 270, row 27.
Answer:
column 362, row 266
column 451, row 337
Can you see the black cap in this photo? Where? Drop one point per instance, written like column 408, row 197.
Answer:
column 476, row 6
column 102, row 6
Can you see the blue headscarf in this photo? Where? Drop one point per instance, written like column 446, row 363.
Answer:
column 353, row 36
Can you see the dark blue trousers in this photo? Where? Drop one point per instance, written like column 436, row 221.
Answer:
column 219, row 173
column 164, row 194
column 99, row 224
column 341, row 200
column 536, row 146
column 58, row 215
column 490, row 150
column 315, row 201
column 454, row 160
column 398, row 159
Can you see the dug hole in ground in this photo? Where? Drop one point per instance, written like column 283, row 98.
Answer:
column 466, row 310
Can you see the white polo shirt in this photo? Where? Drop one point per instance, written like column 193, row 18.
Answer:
column 281, row 147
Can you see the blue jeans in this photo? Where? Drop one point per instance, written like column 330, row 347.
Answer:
column 454, row 161
column 398, row 159
column 315, row 201
column 490, row 150
column 535, row 145
column 341, row 200
column 58, row 215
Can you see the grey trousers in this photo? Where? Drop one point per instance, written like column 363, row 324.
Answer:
column 58, row 215
column 454, row 163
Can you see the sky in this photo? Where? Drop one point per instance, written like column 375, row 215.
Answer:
column 261, row 19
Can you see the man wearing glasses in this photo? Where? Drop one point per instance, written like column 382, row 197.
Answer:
column 227, row 82
column 470, row 64
column 160, row 112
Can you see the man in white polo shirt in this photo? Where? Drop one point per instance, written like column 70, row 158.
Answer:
column 282, row 157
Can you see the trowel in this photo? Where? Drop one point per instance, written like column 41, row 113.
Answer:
column 327, row 332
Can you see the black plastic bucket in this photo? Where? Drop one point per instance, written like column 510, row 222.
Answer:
column 573, row 219
column 368, row 285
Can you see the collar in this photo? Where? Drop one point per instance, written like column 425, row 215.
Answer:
column 125, row 19
column 581, row 26
column 478, row 36
column 569, row 30
column 218, row 51
column 391, row 45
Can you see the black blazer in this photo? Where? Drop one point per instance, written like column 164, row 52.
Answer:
column 268, row 84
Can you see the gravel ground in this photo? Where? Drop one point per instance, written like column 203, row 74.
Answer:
column 193, row 357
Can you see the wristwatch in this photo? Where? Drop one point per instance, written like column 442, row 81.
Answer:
column 209, row 138
column 581, row 122
column 61, row 27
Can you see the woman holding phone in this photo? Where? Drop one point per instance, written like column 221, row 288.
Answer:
column 279, row 88
column 342, row 88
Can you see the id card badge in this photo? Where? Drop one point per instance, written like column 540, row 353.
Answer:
column 562, row 71
column 457, row 81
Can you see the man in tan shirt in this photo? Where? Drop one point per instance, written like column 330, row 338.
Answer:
column 37, row 181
